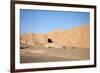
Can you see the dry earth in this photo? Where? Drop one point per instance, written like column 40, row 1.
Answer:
column 37, row 54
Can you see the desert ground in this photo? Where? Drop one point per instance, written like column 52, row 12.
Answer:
column 42, row 54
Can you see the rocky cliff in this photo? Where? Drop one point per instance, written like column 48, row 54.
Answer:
column 75, row 37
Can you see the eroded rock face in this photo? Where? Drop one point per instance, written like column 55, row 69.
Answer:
column 75, row 37
column 34, row 39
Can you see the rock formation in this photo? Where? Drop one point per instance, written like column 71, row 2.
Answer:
column 75, row 37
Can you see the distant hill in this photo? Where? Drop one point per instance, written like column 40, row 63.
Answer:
column 75, row 37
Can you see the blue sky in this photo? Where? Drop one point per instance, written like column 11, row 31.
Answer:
column 44, row 21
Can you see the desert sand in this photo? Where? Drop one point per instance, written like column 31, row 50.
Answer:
column 42, row 54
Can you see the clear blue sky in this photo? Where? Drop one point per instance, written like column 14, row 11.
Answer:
column 43, row 21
